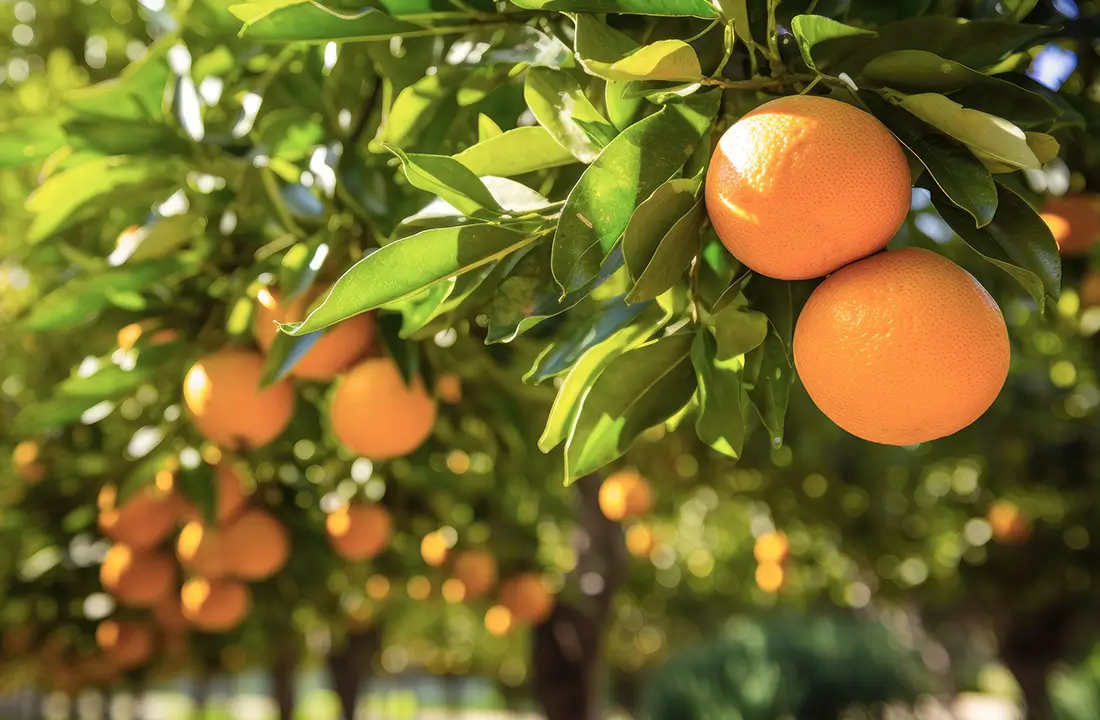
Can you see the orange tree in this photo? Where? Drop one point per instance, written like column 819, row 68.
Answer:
column 603, row 216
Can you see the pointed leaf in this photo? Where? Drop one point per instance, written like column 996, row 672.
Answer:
column 560, row 106
column 449, row 179
column 518, row 151
column 689, row 8
column 284, row 354
column 987, row 136
column 822, row 40
column 721, row 420
column 607, row 53
column 771, row 367
column 653, row 219
column 639, row 389
column 679, row 245
column 309, row 21
column 563, row 354
column 738, row 331
column 407, row 266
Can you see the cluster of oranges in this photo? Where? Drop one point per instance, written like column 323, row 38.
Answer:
column 771, row 550
column 899, row 347
column 373, row 412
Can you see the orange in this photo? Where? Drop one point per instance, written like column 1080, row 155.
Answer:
column 376, row 415
column 126, row 644
column 624, row 494
column 770, row 577
column 169, row 615
column 255, row 545
column 640, row 541
column 433, row 548
column 1090, row 289
column 201, row 550
column 448, row 388
column 215, row 605
column 477, row 570
column 804, row 185
column 231, row 497
column 526, row 597
column 902, row 348
column 339, row 346
column 359, row 531
column 498, row 620
column 137, row 578
column 771, row 547
column 1074, row 220
column 143, row 521
column 1009, row 524
column 223, row 393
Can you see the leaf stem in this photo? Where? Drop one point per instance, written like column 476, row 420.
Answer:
column 811, row 86
column 773, row 39
column 758, row 82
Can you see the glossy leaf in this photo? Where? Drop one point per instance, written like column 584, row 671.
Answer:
column 721, row 420
column 987, row 135
column 1017, row 241
column 563, row 354
column 653, row 219
column 407, row 266
column 560, row 106
column 639, row 389
column 690, row 8
column 737, row 331
column 771, row 367
column 520, row 150
column 449, row 179
column 821, row 40
column 310, row 21
column 635, row 164
column 609, row 54
column 679, row 245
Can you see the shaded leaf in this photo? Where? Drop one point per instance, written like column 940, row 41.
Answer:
column 137, row 94
column 284, row 354
column 609, row 54
column 822, row 40
column 621, row 110
column 679, row 245
column 558, row 357
column 988, row 136
column 690, row 8
column 737, row 331
column 310, row 21
column 653, row 219
column 721, row 421
column 770, row 365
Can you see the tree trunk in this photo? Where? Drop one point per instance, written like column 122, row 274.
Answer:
column 1030, row 645
column 282, row 674
column 350, row 667
column 567, row 647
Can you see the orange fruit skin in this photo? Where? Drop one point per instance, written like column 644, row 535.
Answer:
column 360, row 531
column 477, row 570
column 375, row 415
column 527, row 598
column 137, row 578
column 201, row 550
column 215, row 605
column 222, row 391
column 142, row 522
column 1074, row 220
column 625, row 494
column 169, row 615
column 803, row 185
column 255, row 545
column 339, row 346
column 902, row 348
column 125, row 644
column 231, row 497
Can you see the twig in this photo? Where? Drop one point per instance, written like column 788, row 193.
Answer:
column 755, row 83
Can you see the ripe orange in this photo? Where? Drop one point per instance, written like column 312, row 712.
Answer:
column 624, row 494
column 448, row 388
column 902, row 348
column 222, row 391
column 137, row 578
column 231, row 497
column 477, row 570
column 339, row 347
column 126, row 644
column 376, row 415
column 771, row 547
column 804, row 185
column 770, row 577
column 1009, row 524
column 215, row 605
column 640, row 541
column 359, row 531
column 255, row 545
column 527, row 598
column 143, row 521
column 433, row 548
column 201, row 550
column 169, row 615
column 1074, row 220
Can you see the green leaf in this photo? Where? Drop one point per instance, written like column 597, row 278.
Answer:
column 669, row 8
column 77, row 299
column 28, row 140
column 520, row 150
column 137, row 94
column 573, row 391
column 310, row 21
column 415, row 108
column 284, row 354
column 737, row 331
column 653, row 219
column 613, row 316
column 1045, row 147
column 770, row 365
column 58, row 202
column 53, row 413
column 635, row 164
column 737, row 13
column 1017, row 241
column 987, row 136
column 918, row 70
column 560, row 106
column 487, row 128
column 721, row 397
column 449, row 179
column 639, row 389
column 620, row 109
column 679, row 245
column 956, row 171
column 528, row 295
column 822, row 40
column 407, row 266
column 198, row 485
column 111, row 380
column 438, row 300
column 609, row 54
column 1018, row 9
column 166, row 236
column 976, row 44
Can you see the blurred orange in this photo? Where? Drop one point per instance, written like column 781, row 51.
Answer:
column 448, row 388
column 231, row 497
column 640, row 541
column 127, row 644
column 339, row 346
column 1074, row 220
column 527, row 598
column 769, row 577
column 376, row 415
column 625, row 494
column 771, row 547
column 223, row 393
column 201, row 550
column 1009, row 524
column 255, row 545
column 433, row 548
column 215, row 605
column 359, row 531
column 477, row 570
column 137, row 578
column 143, row 521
